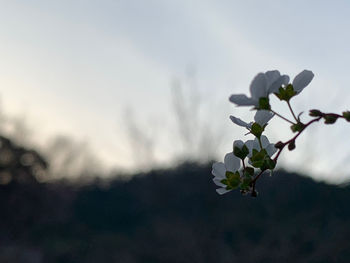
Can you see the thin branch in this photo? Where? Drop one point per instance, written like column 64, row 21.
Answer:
column 282, row 117
column 291, row 110
column 295, row 137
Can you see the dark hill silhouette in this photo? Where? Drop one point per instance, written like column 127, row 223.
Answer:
column 174, row 215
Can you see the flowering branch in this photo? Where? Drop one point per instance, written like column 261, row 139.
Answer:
column 230, row 175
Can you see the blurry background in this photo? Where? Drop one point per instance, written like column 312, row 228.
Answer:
column 111, row 112
column 143, row 84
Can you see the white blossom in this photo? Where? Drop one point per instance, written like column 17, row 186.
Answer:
column 241, row 123
column 262, row 117
column 238, row 143
column 254, row 144
column 231, row 164
column 262, row 85
column 302, row 80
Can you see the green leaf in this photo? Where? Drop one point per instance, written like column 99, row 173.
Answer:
column 233, row 179
column 245, row 150
column 257, row 130
column 245, row 183
column 258, row 156
column 269, row 164
column 280, row 93
column 249, row 171
column 264, row 104
column 229, row 174
column 286, row 93
column 241, row 153
column 258, row 164
column 290, row 92
column 224, row 181
column 346, row 115
column 297, row 127
column 237, row 152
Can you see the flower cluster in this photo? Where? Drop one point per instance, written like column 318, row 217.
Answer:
column 250, row 159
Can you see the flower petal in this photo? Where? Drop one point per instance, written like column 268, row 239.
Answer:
column 219, row 170
column 232, row 163
column 263, row 116
column 302, row 80
column 271, row 149
column 264, row 141
column 239, row 122
column 272, row 76
column 258, row 87
column 218, row 182
column 242, row 100
column 222, row 191
column 250, row 144
column 274, row 86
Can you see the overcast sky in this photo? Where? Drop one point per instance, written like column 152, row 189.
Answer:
column 75, row 68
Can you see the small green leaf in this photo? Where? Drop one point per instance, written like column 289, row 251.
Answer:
column 233, row 179
column 297, row 127
column 245, row 150
column 249, row 171
column 258, row 164
column 346, row 115
column 241, row 153
column 290, row 92
column 264, row 104
column 280, row 93
column 245, row 183
column 224, row 181
column 229, row 174
column 257, row 130
column 258, row 158
column 286, row 93
column 237, row 152
column 269, row 164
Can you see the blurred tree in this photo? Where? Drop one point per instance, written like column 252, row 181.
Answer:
column 18, row 164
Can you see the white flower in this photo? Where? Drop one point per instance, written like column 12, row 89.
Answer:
column 231, row 164
column 254, row 144
column 238, row 143
column 302, row 80
column 262, row 85
column 241, row 123
column 261, row 117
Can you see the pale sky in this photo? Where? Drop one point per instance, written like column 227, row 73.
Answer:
column 76, row 67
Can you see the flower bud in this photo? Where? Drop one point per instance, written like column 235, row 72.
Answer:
column 315, row 113
column 346, row 115
column 330, row 118
column 279, row 145
column 291, row 145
